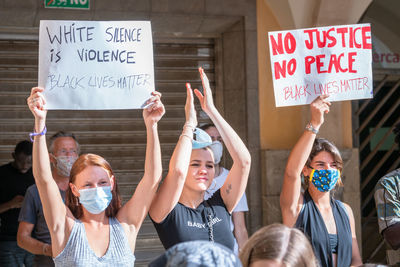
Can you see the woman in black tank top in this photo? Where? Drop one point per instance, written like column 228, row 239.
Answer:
column 179, row 212
column 328, row 223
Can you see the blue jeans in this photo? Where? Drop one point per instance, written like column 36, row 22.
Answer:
column 13, row 256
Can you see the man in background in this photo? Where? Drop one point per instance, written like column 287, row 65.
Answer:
column 33, row 234
column 15, row 178
column 387, row 200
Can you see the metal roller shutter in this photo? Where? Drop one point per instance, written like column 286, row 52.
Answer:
column 118, row 135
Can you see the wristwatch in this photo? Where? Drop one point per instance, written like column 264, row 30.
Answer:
column 310, row 127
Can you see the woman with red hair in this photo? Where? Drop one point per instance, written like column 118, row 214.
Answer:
column 93, row 228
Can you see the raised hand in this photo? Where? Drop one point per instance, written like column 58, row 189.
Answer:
column 190, row 112
column 206, row 100
column 36, row 102
column 319, row 107
column 155, row 111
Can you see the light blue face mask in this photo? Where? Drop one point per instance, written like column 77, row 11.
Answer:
column 200, row 139
column 95, row 200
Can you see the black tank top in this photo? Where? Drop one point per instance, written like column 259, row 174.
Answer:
column 186, row 224
column 312, row 224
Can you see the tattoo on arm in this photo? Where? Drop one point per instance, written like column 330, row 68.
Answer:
column 228, row 190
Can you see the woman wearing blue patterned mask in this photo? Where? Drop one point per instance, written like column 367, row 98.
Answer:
column 328, row 223
column 179, row 211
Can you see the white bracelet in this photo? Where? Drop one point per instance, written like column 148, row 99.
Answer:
column 186, row 135
column 189, row 125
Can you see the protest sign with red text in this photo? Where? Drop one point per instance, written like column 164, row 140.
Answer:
column 334, row 60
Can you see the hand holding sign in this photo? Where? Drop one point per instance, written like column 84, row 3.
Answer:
column 319, row 107
column 153, row 113
column 96, row 64
column 333, row 60
column 36, row 103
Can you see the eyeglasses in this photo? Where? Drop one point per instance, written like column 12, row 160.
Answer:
column 65, row 152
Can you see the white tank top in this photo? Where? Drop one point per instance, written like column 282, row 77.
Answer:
column 77, row 252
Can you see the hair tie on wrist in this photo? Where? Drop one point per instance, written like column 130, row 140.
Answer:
column 190, row 126
column 186, row 135
column 33, row 134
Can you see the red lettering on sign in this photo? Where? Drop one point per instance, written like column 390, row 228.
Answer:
column 331, row 38
column 342, row 32
column 351, row 61
column 320, row 64
column 289, row 44
column 277, row 48
column 366, row 39
column 281, row 69
column 335, row 62
column 310, row 43
column 308, row 61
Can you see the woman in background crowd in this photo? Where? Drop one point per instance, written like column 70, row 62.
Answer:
column 328, row 223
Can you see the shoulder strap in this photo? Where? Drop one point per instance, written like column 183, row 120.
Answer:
column 343, row 229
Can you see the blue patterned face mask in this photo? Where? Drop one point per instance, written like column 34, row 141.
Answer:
column 324, row 180
column 96, row 199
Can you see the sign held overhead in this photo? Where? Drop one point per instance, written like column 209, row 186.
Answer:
column 96, row 65
column 334, row 60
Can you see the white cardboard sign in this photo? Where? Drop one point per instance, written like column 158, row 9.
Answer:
column 334, row 60
column 96, row 64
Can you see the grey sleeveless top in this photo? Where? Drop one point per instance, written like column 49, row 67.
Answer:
column 77, row 252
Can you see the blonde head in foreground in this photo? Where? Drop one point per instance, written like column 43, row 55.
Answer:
column 277, row 245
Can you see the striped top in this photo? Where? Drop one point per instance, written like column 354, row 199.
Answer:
column 77, row 252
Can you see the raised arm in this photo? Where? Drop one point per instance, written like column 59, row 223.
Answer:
column 236, row 181
column 170, row 190
column 135, row 210
column 291, row 198
column 53, row 206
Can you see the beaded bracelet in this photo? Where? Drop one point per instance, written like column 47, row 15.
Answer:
column 31, row 135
